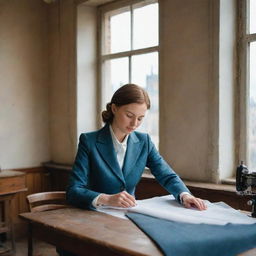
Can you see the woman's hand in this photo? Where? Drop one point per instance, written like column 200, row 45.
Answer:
column 191, row 201
column 122, row 199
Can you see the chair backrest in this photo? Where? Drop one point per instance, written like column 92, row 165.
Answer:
column 46, row 201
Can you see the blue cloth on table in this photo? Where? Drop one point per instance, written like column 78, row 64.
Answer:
column 182, row 239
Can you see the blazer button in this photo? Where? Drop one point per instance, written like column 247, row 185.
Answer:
column 122, row 188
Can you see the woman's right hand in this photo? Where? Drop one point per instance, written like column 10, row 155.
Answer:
column 122, row 199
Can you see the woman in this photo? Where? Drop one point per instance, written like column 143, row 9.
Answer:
column 110, row 161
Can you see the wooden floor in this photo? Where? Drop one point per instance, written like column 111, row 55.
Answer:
column 40, row 248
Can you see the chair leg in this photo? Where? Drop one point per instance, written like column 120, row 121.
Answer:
column 12, row 238
column 30, row 240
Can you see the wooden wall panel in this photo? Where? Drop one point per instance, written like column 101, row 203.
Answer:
column 37, row 180
column 59, row 175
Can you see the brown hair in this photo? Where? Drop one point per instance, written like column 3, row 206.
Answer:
column 127, row 94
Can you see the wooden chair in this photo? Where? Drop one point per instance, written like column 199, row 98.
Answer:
column 44, row 201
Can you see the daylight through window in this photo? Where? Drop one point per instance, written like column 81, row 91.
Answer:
column 249, row 40
column 129, row 54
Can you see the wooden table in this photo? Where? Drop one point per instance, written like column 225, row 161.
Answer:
column 90, row 233
column 11, row 183
column 93, row 233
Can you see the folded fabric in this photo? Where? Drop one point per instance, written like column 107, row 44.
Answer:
column 182, row 239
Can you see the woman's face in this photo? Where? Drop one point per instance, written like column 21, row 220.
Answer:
column 127, row 118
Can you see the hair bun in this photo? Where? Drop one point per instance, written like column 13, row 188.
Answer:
column 107, row 115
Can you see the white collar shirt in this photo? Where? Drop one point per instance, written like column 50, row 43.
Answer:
column 119, row 147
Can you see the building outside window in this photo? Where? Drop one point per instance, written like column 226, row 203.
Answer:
column 248, row 80
column 129, row 50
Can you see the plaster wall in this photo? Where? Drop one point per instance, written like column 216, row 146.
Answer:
column 24, row 118
column 62, row 81
column 188, row 134
column 86, row 69
column 45, row 87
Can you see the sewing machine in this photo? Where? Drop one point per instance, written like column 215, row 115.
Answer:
column 246, row 185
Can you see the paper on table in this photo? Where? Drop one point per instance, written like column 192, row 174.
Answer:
column 166, row 207
column 114, row 211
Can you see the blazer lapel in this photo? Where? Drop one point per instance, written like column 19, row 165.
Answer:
column 133, row 151
column 105, row 146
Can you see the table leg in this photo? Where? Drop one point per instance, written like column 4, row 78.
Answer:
column 10, row 223
column 30, row 240
column 7, row 225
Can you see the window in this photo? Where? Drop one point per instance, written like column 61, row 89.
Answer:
column 129, row 53
column 248, row 81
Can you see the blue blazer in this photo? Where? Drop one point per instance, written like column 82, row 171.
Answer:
column 96, row 169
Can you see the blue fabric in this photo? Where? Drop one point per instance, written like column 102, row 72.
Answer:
column 182, row 239
column 96, row 169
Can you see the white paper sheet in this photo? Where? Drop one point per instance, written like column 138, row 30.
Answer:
column 166, row 207
column 114, row 211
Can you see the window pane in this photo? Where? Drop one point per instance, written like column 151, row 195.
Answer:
column 252, row 107
column 252, row 17
column 145, row 26
column 116, row 74
column 145, row 74
column 117, row 31
column 141, row 69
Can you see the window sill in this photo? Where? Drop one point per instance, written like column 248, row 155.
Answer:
column 226, row 185
column 148, row 187
column 230, row 181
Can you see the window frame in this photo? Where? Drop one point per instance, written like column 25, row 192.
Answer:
column 103, row 57
column 129, row 54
